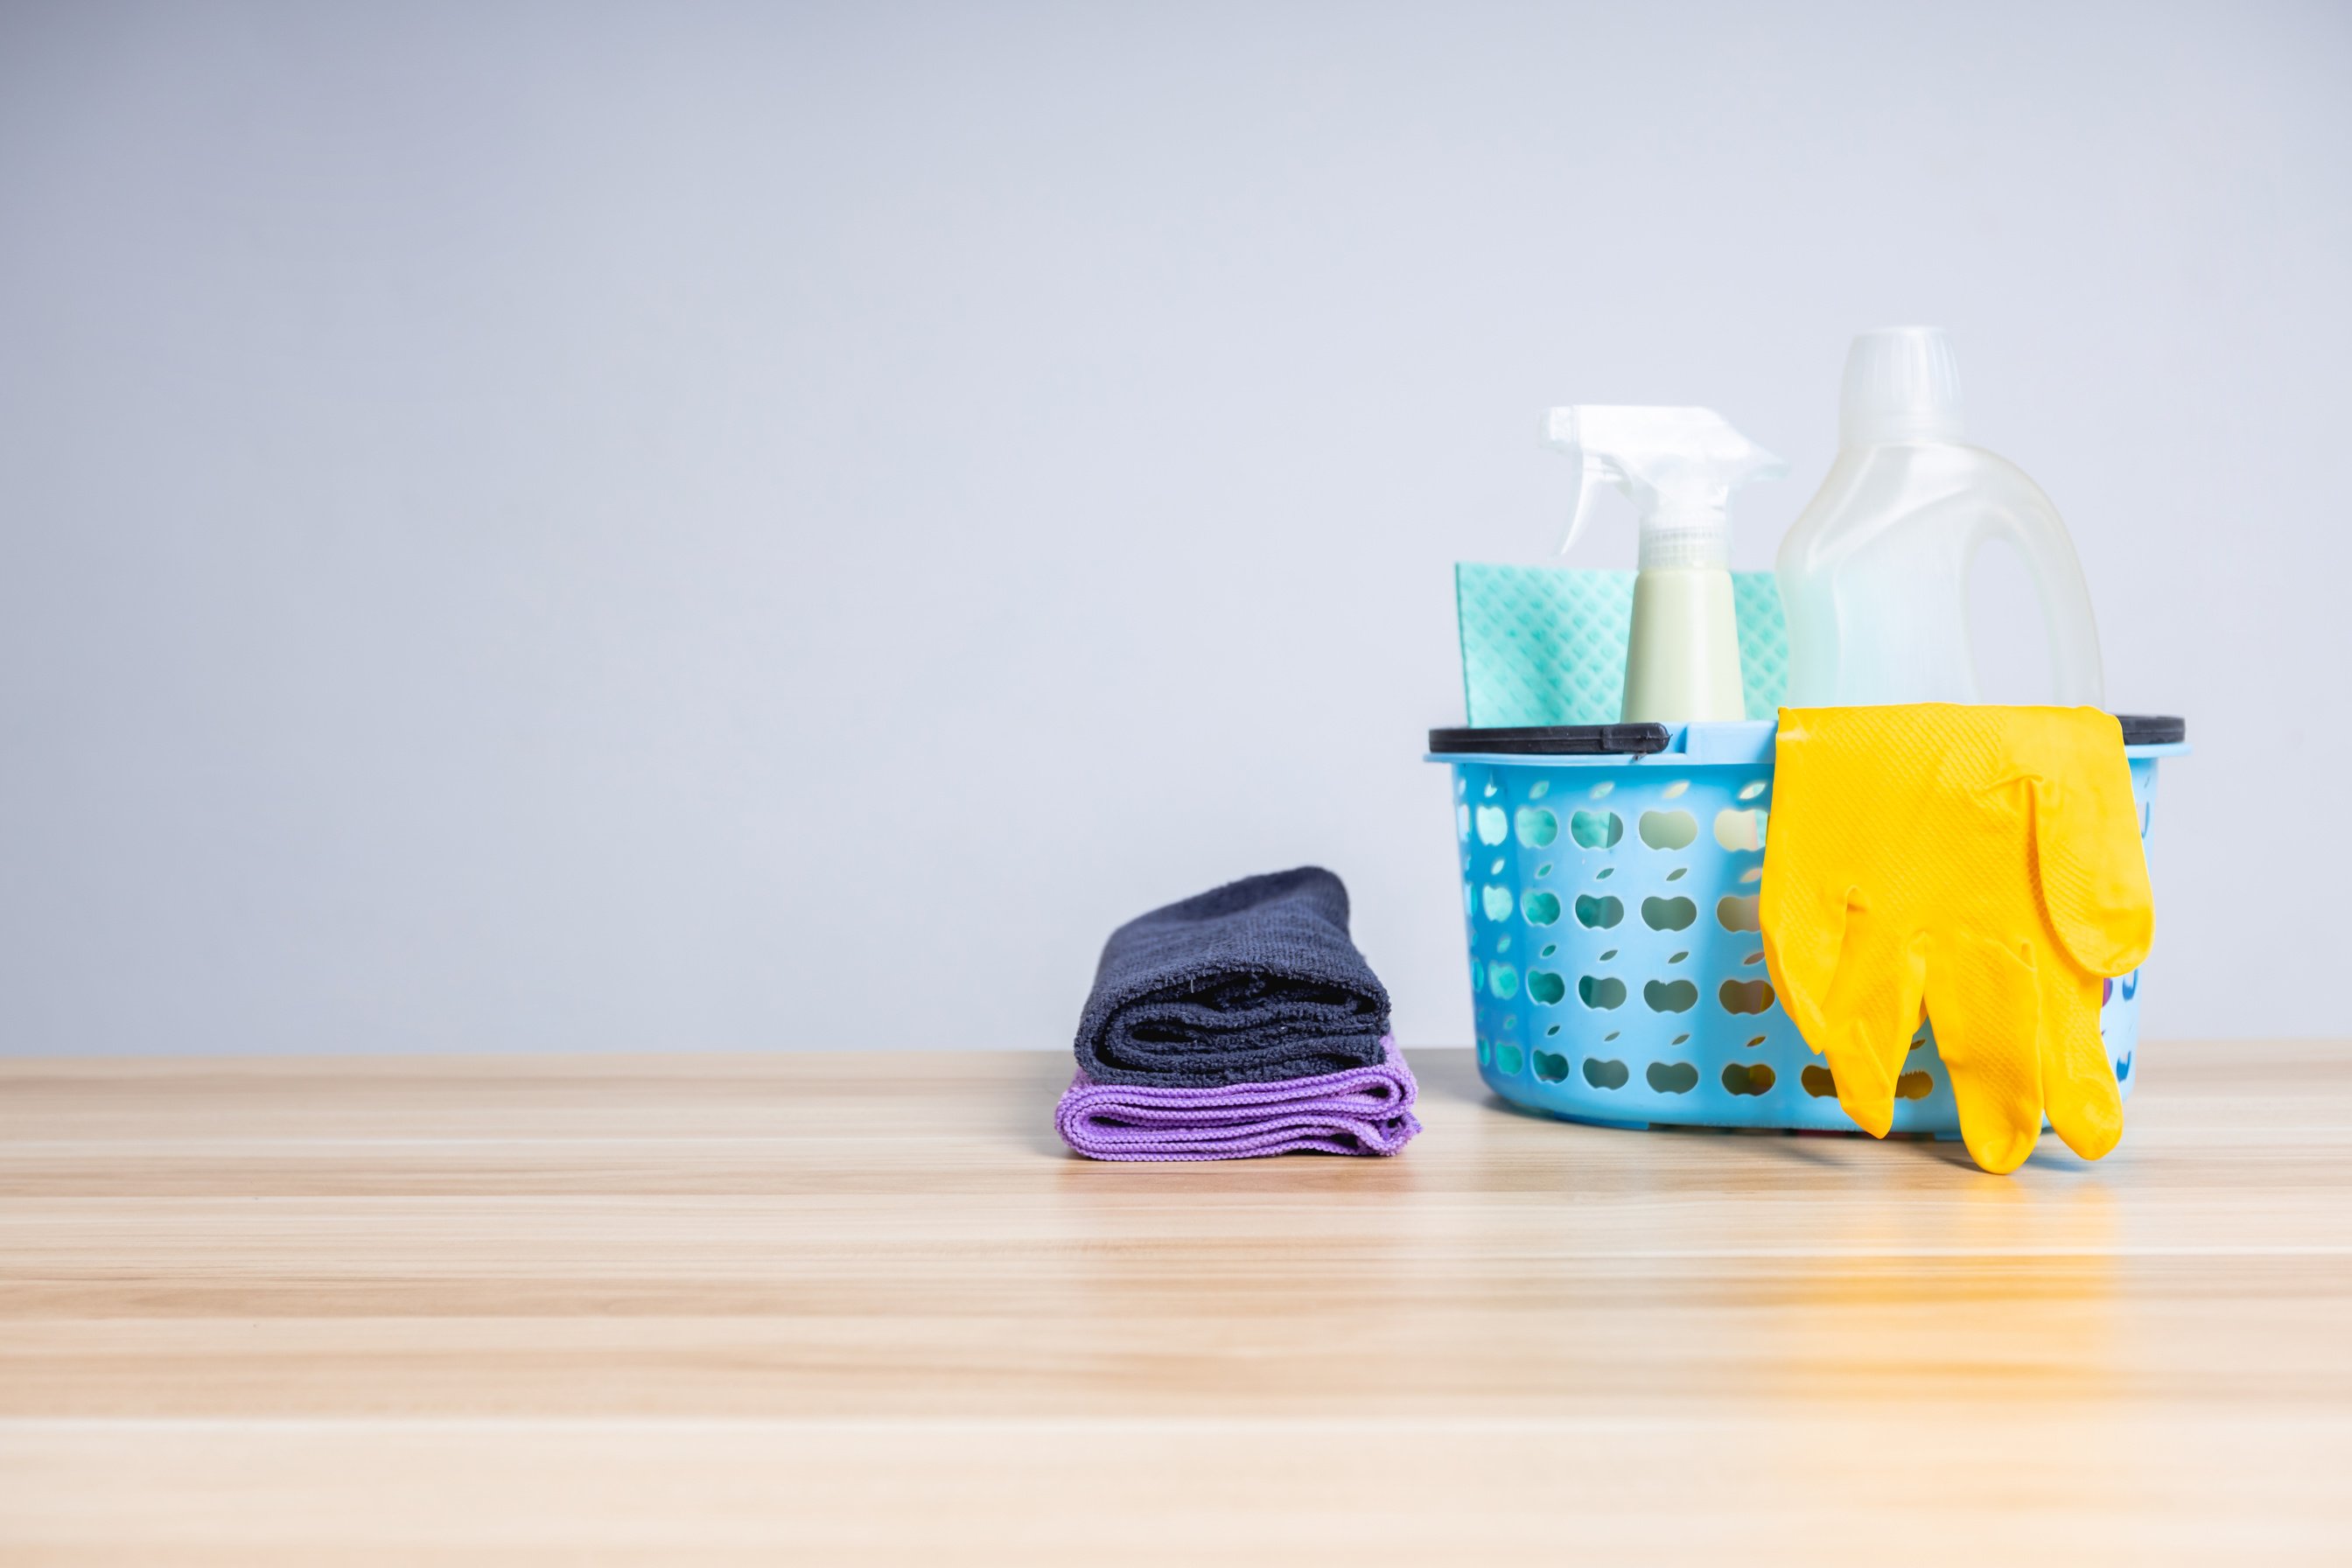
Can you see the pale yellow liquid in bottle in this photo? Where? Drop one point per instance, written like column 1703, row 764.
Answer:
column 1682, row 660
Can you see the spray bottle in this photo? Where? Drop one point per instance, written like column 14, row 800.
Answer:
column 1678, row 467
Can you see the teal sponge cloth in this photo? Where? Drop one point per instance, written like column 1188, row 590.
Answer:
column 1541, row 645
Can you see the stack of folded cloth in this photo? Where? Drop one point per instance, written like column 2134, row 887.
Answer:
column 1239, row 1023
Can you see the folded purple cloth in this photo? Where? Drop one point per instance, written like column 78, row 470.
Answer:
column 1356, row 1111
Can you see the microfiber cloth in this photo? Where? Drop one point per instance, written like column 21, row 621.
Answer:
column 1359, row 1110
column 1250, row 983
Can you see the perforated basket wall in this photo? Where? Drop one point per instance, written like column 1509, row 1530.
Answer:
column 1615, row 968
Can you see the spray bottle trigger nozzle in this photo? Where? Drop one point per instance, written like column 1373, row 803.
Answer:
column 1562, row 432
column 1678, row 466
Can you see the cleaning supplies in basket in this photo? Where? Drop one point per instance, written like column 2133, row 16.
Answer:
column 1984, row 862
column 1612, row 884
column 1241, row 1021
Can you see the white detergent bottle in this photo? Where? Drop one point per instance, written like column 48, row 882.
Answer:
column 1874, row 573
column 1679, row 467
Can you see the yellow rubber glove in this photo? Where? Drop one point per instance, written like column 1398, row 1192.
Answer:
column 1984, row 861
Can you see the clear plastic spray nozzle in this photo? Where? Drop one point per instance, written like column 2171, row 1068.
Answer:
column 1678, row 466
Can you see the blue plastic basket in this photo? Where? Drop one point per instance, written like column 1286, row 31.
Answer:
column 1616, row 966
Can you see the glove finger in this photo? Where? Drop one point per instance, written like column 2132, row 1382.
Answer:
column 2078, row 1082
column 1868, row 1017
column 1802, row 936
column 1985, row 1003
column 1812, row 861
column 2089, row 862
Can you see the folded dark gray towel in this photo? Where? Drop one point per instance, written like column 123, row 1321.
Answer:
column 1250, row 983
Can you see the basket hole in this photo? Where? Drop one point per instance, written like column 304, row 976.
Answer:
column 1673, row 1078
column 1536, row 827
column 1603, row 874
column 1553, row 1030
column 1494, row 825
column 1678, row 1039
column 1496, row 868
column 1595, row 829
column 1606, row 956
column 1740, row 829
column 1548, row 949
column 1750, row 790
column 1462, row 823
column 1601, row 790
column 1746, row 995
column 1597, row 914
column 1544, row 870
column 1670, row 995
column 1506, row 1060
column 1545, row 988
column 1745, row 1077
column 1495, row 901
column 2123, row 1067
column 1611, row 1036
column 1503, row 943
column 1740, row 911
column 1551, row 1066
column 1605, row 1074
column 1915, row 1086
column 1673, row 791
column 1477, row 975
column 1541, row 908
column 1503, row 980
column 1604, row 992
column 1753, row 874
column 1754, row 1041
column 1540, row 789
column 1669, row 829
column 1668, row 914
column 1677, row 958
column 1819, row 1083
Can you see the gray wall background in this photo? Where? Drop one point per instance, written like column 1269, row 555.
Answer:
column 686, row 526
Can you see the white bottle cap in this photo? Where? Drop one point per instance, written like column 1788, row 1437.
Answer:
column 1902, row 384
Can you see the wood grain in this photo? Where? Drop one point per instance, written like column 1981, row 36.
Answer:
column 864, row 1308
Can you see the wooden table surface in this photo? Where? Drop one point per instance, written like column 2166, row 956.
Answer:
column 832, row 1308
